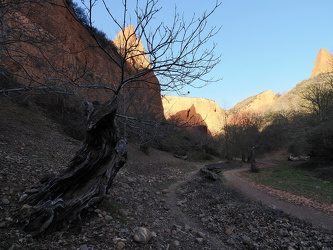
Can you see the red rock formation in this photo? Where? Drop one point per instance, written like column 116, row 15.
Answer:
column 131, row 48
column 190, row 118
column 323, row 64
column 67, row 53
column 201, row 111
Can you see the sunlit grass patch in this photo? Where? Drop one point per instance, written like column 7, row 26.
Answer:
column 296, row 181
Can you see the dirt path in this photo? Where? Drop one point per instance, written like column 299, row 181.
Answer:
column 317, row 218
column 183, row 218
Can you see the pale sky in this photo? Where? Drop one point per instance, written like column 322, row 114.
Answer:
column 265, row 44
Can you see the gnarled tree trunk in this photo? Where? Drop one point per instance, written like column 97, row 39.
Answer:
column 86, row 180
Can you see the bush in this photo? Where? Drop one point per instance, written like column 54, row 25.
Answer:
column 320, row 140
column 199, row 156
column 80, row 13
column 15, row 91
column 7, row 80
column 83, row 18
column 101, row 37
column 185, row 142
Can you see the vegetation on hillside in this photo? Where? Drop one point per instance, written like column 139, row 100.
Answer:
column 82, row 17
column 305, row 130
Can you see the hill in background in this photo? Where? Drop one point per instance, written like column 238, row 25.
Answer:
column 266, row 101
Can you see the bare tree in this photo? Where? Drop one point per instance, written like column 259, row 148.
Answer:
column 241, row 135
column 177, row 54
column 319, row 97
column 318, row 100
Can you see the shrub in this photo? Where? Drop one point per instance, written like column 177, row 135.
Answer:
column 80, row 13
column 83, row 18
column 11, row 88
column 185, row 142
column 200, row 156
column 320, row 140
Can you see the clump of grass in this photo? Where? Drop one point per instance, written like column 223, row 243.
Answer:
column 111, row 206
column 296, row 181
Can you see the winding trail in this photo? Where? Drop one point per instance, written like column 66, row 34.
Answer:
column 183, row 218
column 236, row 179
column 317, row 218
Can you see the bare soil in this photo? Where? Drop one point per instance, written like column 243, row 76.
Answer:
column 182, row 208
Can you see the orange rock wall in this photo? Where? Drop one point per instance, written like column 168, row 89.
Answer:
column 213, row 116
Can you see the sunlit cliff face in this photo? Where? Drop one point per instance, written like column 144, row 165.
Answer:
column 323, row 64
column 196, row 111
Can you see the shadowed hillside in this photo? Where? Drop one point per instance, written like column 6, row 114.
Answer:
column 59, row 49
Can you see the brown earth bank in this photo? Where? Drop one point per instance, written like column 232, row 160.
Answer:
column 182, row 208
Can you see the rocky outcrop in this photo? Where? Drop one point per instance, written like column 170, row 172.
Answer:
column 191, row 118
column 65, row 51
column 323, row 64
column 257, row 103
column 200, row 111
column 131, row 48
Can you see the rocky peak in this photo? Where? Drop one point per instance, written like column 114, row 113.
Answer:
column 130, row 47
column 323, row 64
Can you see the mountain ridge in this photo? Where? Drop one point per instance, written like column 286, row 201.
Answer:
column 266, row 101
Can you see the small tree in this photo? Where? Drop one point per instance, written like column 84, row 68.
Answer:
column 241, row 134
column 318, row 101
column 319, row 98
column 175, row 53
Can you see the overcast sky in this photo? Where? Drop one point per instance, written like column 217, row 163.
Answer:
column 265, row 44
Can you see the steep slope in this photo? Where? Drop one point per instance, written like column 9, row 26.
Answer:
column 185, row 107
column 256, row 104
column 291, row 101
column 323, row 64
column 63, row 51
